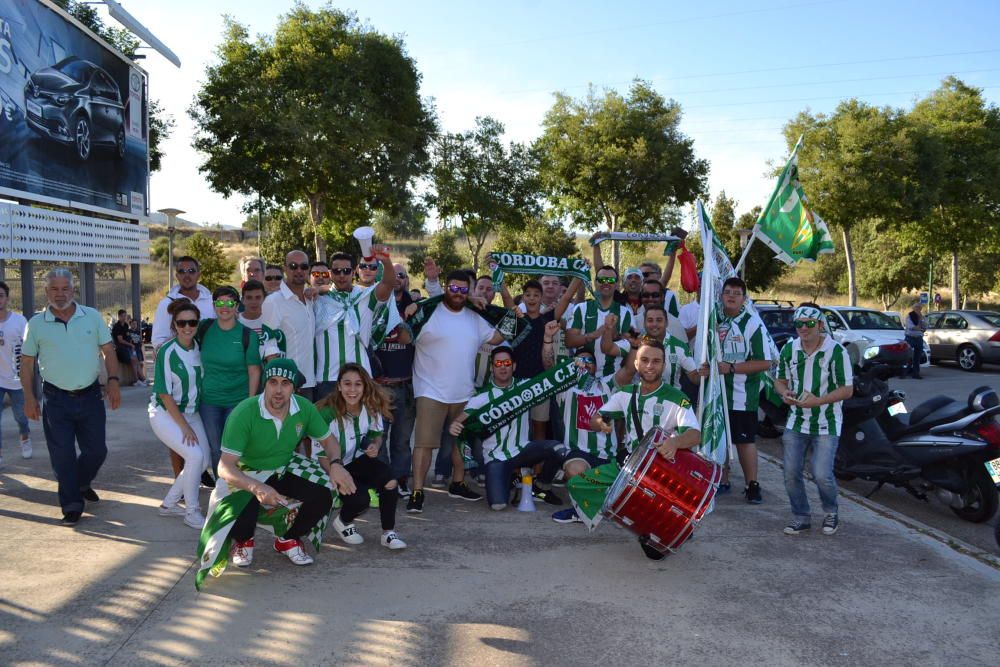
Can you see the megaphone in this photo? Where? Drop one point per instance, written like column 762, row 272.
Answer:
column 527, row 503
column 364, row 235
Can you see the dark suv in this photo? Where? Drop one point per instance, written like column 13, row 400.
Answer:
column 777, row 317
column 76, row 103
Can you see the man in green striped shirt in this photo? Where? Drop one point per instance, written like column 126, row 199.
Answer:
column 814, row 379
column 587, row 323
column 678, row 359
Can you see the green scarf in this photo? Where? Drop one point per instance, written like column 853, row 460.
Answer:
column 514, row 329
column 673, row 242
column 513, row 262
column 519, row 398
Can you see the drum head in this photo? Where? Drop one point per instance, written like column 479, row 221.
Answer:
column 630, row 470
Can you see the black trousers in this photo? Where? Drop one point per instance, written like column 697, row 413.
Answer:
column 370, row 473
column 317, row 501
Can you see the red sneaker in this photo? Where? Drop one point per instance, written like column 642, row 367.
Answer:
column 241, row 553
column 293, row 549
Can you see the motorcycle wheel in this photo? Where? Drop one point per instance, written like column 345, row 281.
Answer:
column 982, row 498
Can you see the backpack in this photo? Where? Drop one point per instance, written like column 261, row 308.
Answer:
column 203, row 326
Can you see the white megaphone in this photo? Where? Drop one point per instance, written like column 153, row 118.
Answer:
column 527, row 503
column 364, row 235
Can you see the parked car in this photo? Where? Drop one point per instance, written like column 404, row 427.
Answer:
column 970, row 337
column 871, row 336
column 777, row 317
column 78, row 104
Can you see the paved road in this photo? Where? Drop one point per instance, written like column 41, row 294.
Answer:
column 949, row 380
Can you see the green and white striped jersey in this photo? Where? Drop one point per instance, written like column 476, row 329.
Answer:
column 743, row 338
column 350, row 430
column 819, row 373
column 272, row 341
column 178, row 373
column 505, row 442
column 344, row 327
column 579, row 407
column 664, row 407
column 678, row 360
column 588, row 316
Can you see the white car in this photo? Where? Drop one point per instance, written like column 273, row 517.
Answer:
column 863, row 330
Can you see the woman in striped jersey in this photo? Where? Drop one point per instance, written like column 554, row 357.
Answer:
column 357, row 411
column 173, row 411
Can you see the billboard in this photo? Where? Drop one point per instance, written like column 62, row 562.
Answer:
column 73, row 115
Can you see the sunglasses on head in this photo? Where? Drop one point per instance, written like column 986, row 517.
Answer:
column 502, row 363
column 188, row 270
column 368, row 267
column 342, row 271
column 185, row 323
column 302, row 266
column 272, row 278
column 607, row 280
column 808, row 324
column 456, row 289
column 320, row 274
column 225, row 303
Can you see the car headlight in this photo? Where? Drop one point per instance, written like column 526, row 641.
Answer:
column 61, row 99
column 871, row 352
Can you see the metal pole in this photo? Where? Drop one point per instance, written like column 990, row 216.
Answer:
column 28, row 287
column 930, row 287
column 89, row 283
column 170, row 257
column 136, row 292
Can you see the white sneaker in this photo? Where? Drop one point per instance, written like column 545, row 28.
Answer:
column 241, row 553
column 26, row 450
column 194, row 519
column 347, row 533
column 172, row 510
column 496, row 507
column 293, row 549
column 438, row 482
column 391, row 539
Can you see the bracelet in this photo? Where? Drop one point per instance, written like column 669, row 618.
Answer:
column 113, row 377
column 548, row 342
column 338, row 461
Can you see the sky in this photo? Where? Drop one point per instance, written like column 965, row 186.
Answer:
column 739, row 68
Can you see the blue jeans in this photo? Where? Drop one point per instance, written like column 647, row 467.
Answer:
column 547, row 452
column 17, row 409
column 396, row 450
column 213, row 418
column 917, row 343
column 824, row 449
column 68, row 422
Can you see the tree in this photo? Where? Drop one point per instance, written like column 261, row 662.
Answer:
column 161, row 124
column 216, row 270
column 828, row 277
column 283, row 231
column 325, row 112
column 407, row 223
column 484, row 184
column 858, row 163
column 621, row 163
column 889, row 262
column 159, row 250
column 962, row 137
column 540, row 237
column 442, row 250
column 979, row 274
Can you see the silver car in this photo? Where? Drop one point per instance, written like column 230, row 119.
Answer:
column 970, row 337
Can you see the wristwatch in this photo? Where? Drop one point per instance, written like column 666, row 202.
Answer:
column 338, row 461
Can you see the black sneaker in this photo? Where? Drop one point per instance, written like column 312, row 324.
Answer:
column 752, row 493
column 651, row 553
column 461, row 490
column 546, row 495
column 90, row 495
column 404, row 490
column 415, row 504
column 797, row 526
column 71, row 518
column 207, row 481
column 831, row 523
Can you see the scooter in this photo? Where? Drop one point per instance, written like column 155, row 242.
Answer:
column 940, row 448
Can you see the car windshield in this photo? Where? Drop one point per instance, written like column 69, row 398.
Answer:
column 993, row 319
column 777, row 319
column 78, row 70
column 866, row 319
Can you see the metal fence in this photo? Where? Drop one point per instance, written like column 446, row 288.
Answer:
column 113, row 284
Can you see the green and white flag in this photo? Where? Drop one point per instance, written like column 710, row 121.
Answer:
column 787, row 224
column 589, row 490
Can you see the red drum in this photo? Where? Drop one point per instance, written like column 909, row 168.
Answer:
column 660, row 499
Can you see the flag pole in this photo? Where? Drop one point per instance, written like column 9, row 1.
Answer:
column 746, row 251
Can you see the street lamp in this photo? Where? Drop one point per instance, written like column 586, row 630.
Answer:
column 745, row 235
column 171, row 214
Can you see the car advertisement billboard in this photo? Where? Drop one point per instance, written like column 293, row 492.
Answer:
column 73, row 115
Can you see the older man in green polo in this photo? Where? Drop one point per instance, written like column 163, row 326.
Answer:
column 260, row 475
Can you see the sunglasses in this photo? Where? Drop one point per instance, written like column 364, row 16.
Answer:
column 292, row 266
column 607, row 280
column 342, row 271
column 225, row 303
column 401, row 276
column 455, row 289
column 503, row 363
column 587, row 360
column 652, row 295
column 189, row 270
column 320, row 274
column 368, row 267
column 185, row 323
column 808, row 324
column 272, row 278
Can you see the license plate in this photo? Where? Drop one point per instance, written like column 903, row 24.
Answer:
column 993, row 468
column 897, row 409
column 33, row 108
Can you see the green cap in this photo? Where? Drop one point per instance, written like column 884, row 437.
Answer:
column 283, row 368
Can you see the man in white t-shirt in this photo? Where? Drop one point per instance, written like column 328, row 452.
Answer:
column 11, row 336
column 443, row 370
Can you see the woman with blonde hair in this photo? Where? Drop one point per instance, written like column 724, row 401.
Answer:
column 357, row 411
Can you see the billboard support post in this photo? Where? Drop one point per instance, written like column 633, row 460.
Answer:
column 28, row 287
column 136, row 293
column 88, row 280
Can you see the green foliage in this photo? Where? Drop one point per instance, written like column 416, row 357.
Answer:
column 442, row 249
column 828, row 279
column 889, row 262
column 283, row 231
column 407, row 223
column 324, row 112
column 485, row 185
column 762, row 269
column 621, row 163
column 159, row 250
column 540, row 237
column 215, row 269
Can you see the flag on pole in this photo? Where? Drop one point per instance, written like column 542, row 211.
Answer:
column 787, row 224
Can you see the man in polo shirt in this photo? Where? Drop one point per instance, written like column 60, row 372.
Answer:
column 814, row 379
column 66, row 338
column 260, row 437
column 289, row 310
column 188, row 271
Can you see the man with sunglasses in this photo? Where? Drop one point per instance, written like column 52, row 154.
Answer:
column 187, row 271
column 814, row 379
column 367, row 272
column 678, row 361
column 289, row 310
column 587, row 323
column 273, row 275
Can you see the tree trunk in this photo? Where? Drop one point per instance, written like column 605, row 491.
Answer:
column 316, row 217
column 954, row 280
column 852, row 285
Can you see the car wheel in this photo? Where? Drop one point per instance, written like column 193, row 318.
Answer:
column 81, row 134
column 120, row 143
column 968, row 358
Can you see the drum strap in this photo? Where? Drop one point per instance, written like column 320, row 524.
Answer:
column 634, row 405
